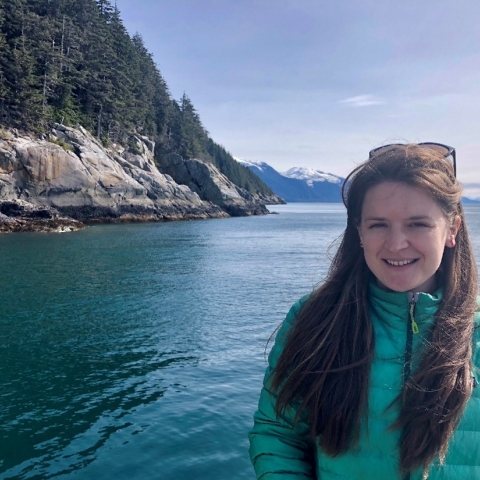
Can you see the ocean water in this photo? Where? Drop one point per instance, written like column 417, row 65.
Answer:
column 138, row 351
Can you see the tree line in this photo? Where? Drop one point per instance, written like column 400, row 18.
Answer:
column 73, row 62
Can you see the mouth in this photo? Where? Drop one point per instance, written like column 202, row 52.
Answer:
column 399, row 263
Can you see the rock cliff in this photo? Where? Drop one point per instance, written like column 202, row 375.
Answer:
column 71, row 177
column 211, row 185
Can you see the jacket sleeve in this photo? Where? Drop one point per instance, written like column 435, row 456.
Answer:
column 278, row 450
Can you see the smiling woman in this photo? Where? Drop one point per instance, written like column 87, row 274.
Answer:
column 373, row 374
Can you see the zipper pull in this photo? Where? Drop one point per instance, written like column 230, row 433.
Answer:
column 413, row 300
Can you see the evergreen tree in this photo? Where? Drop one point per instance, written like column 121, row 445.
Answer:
column 194, row 135
column 3, row 48
column 23, row 81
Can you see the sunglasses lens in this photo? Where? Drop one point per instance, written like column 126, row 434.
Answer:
column 444, row 149
column 384, row 149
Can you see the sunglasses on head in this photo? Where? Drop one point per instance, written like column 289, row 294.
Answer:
column 439, row 147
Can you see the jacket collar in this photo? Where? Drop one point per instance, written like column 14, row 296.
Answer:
column 395, row 306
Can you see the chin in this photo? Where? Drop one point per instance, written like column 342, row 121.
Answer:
column 399, row 286
column 426, row 286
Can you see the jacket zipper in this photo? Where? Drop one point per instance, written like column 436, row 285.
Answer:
column 412, row 329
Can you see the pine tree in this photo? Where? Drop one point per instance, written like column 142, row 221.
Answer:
column 3, row 81
column 153, row 106
column 19, row 64
column 194, row 135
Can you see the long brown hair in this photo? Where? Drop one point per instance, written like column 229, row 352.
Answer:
column 324, row 367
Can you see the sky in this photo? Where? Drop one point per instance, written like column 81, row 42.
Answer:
column 319, row 83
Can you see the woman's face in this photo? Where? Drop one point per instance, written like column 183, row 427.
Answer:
column 404, row 233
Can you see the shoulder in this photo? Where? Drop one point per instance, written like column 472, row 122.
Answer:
column 476, row 322
column 284, row 329
column 476, row 341
column 295, row 308
column 290, row 318
column 477, row 313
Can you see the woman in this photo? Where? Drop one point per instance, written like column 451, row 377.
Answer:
column 372, row 376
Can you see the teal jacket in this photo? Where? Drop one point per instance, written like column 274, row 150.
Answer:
column 280, row 452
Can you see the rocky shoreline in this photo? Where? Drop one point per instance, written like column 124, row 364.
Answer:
column 21, row 216
column 69, row 179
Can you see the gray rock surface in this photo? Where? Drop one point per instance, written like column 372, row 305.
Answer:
column 73, row 174
column 211, row 185
column 21, row 216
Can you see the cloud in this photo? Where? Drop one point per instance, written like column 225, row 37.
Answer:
column 362, row 101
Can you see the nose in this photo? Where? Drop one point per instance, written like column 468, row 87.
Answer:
column 396, row 240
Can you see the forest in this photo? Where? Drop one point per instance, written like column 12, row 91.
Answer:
column 73, row 62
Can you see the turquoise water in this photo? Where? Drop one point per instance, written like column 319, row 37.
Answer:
column 137, row 351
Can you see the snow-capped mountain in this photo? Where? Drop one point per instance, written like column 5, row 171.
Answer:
column 310, row 175
column 251, row 163
column 298, row 184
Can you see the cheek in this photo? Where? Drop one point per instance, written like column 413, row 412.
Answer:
column 439, row 252
column 432, row 249
column 371, row 242
column 370, row 253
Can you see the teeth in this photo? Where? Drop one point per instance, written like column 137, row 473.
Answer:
column 399, row 263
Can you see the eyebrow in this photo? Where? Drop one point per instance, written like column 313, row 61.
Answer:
column 382, row 219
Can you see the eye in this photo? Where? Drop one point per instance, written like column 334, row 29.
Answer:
column 377, row 225
column 420, row 225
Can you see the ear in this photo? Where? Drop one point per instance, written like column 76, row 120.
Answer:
column 450, row 241
column 360, row 235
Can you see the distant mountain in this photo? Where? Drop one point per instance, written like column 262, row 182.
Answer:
column 311, row 176
column 471, row 192
column 470, row 201
column 299, row 184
